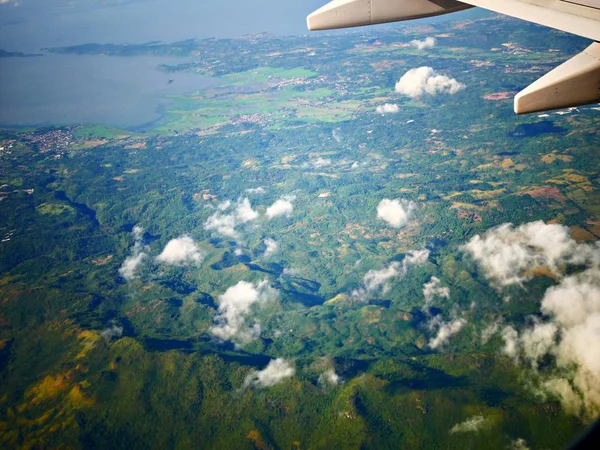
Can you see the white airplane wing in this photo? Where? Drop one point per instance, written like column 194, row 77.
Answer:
column 574, row 83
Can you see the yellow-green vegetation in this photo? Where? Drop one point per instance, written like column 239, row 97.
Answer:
column 267, row 96
column 102, row 132
column 55, row 209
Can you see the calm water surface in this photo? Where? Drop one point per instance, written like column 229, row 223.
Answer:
column 73, row 89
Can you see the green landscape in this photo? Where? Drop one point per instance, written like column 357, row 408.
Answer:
column 280, row 261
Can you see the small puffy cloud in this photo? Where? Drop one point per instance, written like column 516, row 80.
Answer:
column 277, row 370
column 396, row 213
column 325, row 366
column 225, row 223
column 182, row 250
column 258, row 191
column 329, row 377
column 114, row 332
column 472, row 425
column 244, row 211
column 388, row 108
column 235, row 305
column 271, row 247
column 132, row 263
column 489, row 331
column 445, row 331
column 508, row 255
column 424, row 80
column 434, row 289
column 511, row 342
column 380, row 280
column 428, row 42
column 138, row 233
column 415, row 258
column 282, row 207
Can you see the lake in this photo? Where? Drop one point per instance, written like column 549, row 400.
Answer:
column 72, row 89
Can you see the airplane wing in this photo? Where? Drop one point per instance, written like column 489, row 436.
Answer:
column 574, row 83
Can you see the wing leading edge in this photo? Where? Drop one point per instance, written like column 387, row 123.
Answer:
column 574, row 83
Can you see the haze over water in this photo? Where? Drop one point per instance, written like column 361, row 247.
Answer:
column 123, row 92
column 73, row 89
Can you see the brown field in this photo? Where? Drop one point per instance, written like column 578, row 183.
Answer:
column 551, row 157
column 581, row 234
column 546, row 192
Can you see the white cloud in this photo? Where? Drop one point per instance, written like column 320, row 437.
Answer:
column 434, row 289
column 114, row 332
column 330, row 377
column 225, row 224
column 489, row 331
column 424, row 80
column 224, row 205
column 380, row 280
column 244, row 211
column 182, row 250
column 569, row 327
column 276, row 371
column 415, row 258
column 388, row 108
column 234, row 305
column 472, row 425
column 396, row 213
column 511, row 342
column 131, row 264
column 271, row 247
column 282, row 207
column 508, row 255
column 258, row 191
column 445, row 331
column 222, row 224
column 570, row 332
column 138, row 233
column 428, row 42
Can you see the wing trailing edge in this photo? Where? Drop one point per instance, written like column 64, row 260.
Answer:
column 573, row 83
column 355, row 13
